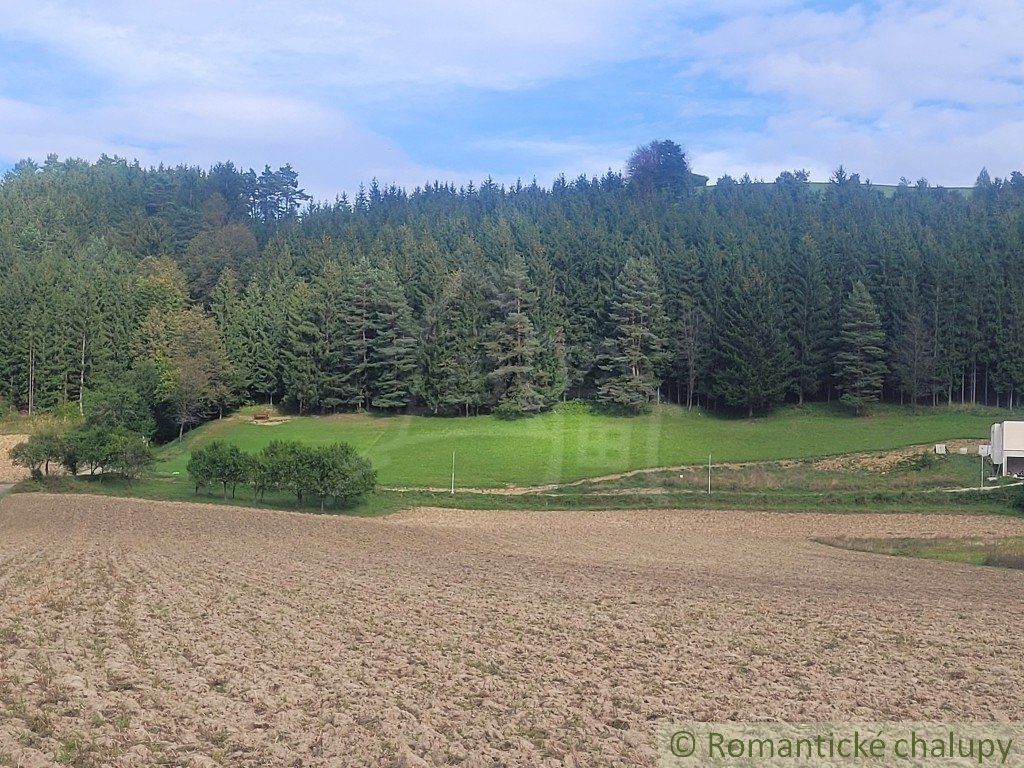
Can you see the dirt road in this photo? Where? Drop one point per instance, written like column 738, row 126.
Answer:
column 141, row 633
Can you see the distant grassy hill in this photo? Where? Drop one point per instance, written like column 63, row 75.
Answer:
column 572, row 443
column 889, row 189
column 886, row 189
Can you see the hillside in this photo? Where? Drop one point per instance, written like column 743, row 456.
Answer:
column 571, row 443
column 189, row 292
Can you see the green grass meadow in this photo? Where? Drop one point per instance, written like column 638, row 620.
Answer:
column 572, row 442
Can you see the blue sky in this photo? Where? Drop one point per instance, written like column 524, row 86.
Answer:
column 412, row 91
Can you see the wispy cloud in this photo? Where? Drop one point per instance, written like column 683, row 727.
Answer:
column 408, row 91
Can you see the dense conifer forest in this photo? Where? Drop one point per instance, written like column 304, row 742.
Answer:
column 178, row 293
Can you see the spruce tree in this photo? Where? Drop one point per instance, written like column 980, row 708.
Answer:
column 807, row 308
column 353, row 363
column 549, row 320
column 393, row 348
column 860, row 351
column 753, row 358
column 302, row 376
column 512, row 345
column 914, row 357
column 265, row 312
column 453, row 375
column 635, row 349
column 227, row 309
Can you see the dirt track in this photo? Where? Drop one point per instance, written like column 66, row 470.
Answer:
column 138, row 633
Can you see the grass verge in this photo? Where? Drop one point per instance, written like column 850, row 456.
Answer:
column 1002, row 553
column 997, row 501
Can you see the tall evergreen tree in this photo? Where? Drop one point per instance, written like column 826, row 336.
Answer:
column 635, row 349
column 301, row 374
column 393, row 348
column 691, row 346
column 753, row 359
column 914, row 357
column 860, row 351
column 453, row 357
column 227, row 308
column 512, row 345
column 807, row 299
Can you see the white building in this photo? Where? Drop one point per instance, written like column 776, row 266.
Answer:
column 1008, row 447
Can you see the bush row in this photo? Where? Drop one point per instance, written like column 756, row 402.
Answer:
column 333, row 472
column 113, row 450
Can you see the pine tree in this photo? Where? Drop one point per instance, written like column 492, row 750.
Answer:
column 512, row 345
column 753, row 358
column 634, row 350
column 807, row 308
column 226, row 306
column 549, row 319
column 302, row 377
column 860, row 351
column 453, row 374
column 264, row 312
column 393, row 350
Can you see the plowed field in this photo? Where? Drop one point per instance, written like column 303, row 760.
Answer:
column 143, row 633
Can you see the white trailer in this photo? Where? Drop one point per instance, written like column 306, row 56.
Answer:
column 1007, row 452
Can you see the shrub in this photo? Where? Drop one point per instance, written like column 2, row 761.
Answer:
column 117, row 450
column 30, row 455
column 119, row 405
column 39, row 451
column 200, row 467
column 334, row 472
column 88, row 446
column 219, row 462
column 269, row 467
column 127, row 453
column 918, row 462
column 1018, row 499
column 338, row 472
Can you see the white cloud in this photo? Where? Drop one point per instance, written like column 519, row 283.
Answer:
column 204, row 128
column 905, row 87
column 254, row 82
column 913, row 88
column 440, row 43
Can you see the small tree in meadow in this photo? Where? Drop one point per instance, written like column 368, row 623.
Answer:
column 127, row 453
column 219, row 462
column 200, row 467
column 268, row 468
column 338, row 472
column 31, row 455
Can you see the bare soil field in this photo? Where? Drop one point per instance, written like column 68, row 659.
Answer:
column 143, row 633
column 9, row 473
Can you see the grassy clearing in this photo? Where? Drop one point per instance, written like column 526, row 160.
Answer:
column 1003, row 553
column 572, row 442
column 412, row 455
